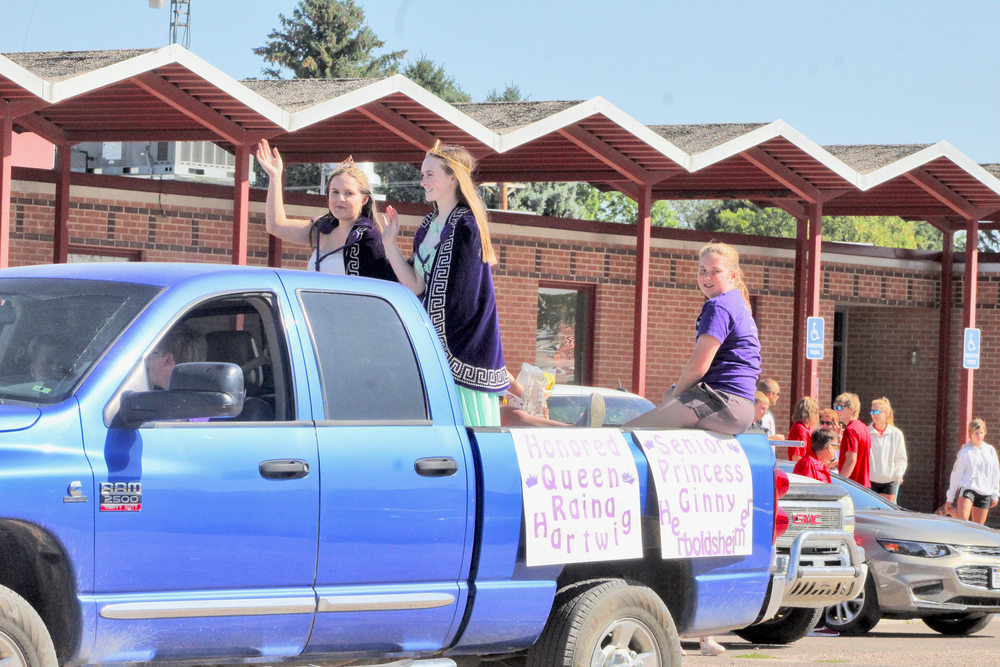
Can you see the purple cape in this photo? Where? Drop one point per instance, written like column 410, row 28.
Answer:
column 364, row 254
column 462, row 305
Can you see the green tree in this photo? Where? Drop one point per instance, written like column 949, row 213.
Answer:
column 883, row 231
column 558, row 200
column 326, row 39
column 432, row 76
column 322, row 39
column 614, row 206
column 511, row 93
column 401, row 180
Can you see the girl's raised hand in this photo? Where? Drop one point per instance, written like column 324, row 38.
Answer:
column 269, row 159
column 390, row 225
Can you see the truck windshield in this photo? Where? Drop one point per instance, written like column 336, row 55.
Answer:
column 53, row 331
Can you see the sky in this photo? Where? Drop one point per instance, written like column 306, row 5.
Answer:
column 843, row 72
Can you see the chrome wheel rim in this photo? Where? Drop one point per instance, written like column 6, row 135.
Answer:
column 10, row 652
column 627, row 643
column 843, row 613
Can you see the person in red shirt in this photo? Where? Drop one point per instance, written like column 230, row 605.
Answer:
column 805, row 415
column 814, row 463
column 855, row 444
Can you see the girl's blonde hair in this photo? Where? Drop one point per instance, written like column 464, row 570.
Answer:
column 977, row 423
column 732, row 259
column 761, row 397
column 459, row 162
column 886, row 408
column 850, row 400
column 806, row 411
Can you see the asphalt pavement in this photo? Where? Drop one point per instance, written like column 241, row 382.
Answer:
column 906, row 643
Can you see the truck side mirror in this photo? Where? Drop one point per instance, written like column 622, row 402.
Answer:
column 197, row 390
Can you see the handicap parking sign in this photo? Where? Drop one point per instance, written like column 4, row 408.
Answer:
column 970, row 349
column 814, row 338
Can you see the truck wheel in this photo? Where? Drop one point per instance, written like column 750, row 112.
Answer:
column 856, row 616
column 24, row 639
column 958, row 624
column 610, row 623
column 789, row 625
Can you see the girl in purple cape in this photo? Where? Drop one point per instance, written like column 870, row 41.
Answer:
column 450, row 271
column 346, row 239
column 715, row 390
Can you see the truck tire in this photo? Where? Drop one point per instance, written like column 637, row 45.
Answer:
column 24, row 639
column 789, row 625
column 857, row 616
column 957, row 625
column 610, row 622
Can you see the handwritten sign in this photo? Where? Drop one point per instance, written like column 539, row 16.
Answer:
column 581, row 495
column 704, row 493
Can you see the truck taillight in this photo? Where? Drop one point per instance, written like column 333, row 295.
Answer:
column 780, row 517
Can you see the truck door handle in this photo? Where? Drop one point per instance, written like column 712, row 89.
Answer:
column 284, row 469
column 436, row 466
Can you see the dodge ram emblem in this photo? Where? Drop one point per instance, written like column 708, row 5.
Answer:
column 121, row 496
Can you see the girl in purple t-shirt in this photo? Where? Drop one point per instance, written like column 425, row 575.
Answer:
column 715, row 390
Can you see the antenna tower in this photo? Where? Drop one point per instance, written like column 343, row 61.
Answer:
column 180, row 22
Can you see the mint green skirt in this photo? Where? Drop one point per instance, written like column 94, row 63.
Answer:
column 479, row 407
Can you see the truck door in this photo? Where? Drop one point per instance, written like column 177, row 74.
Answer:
column 396, row 509
column 206, row 530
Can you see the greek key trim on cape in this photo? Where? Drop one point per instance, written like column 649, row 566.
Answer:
column 484, row 379
column 352, row 259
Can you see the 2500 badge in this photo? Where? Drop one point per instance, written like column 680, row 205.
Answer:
column 121, row 496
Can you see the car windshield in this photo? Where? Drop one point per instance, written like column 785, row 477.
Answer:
column 864, row 499
column 617, row 409
column 53, row 331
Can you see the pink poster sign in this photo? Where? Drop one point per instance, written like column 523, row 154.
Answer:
column 581, row 495
column 704, row 493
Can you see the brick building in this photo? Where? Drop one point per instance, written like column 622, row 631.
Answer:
column 883, row 302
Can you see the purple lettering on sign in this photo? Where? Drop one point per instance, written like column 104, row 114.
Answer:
column 581, row 497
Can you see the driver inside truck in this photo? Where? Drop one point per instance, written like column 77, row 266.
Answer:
column 181, row 345
column 45, row 358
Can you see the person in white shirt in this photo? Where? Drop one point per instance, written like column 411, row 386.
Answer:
column 888, row 452
column 769, row 388
column 975, row 479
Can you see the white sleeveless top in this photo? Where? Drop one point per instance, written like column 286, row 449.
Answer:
column 330, row 264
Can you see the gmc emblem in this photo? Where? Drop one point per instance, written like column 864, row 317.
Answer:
column 807, row 519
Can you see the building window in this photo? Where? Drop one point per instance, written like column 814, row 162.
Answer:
column 94, row 254
column 564, row 340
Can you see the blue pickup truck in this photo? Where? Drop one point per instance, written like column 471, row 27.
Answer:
column 307, row 491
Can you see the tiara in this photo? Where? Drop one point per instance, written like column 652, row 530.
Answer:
column 452, row 162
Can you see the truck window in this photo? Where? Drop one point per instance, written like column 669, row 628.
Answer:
column 368, row 367
column 53, row 331
column 241, row 329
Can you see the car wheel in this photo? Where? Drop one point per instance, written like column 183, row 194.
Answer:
column 24, row 639
column 790, row 624
column 610, row 623
column 856, row 616
column 958, row 624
